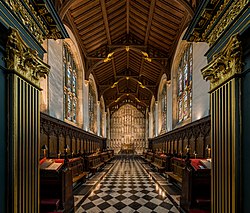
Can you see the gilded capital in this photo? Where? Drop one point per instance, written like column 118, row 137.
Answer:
column 23, row 60
column 225, row 64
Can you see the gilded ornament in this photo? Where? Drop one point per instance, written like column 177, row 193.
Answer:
column 35, row 24
column 23, row 60
column 54, row 33
column 225, row 64
column 42, row 11
column 108, row 57
column 206, row 15
column 146, row 56
column 196, row 36
column 224, row 21
column 201, row 22
column 20, row 10
column 214, row 1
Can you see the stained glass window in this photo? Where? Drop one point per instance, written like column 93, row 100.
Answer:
column 154, row 116
column 92, row 110
column 164, row 108
column 70, row 91
column 184, row 77
column 101, row 120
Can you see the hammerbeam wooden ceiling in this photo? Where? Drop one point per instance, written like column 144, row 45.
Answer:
column 127, row 44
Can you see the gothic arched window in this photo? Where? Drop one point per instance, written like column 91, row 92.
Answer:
column 164, row 108
column 70, row 82
column 92, row 110
column 154, row 118
column 101, row 119
column 184, row 77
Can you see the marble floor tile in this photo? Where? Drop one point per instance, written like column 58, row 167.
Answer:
column 128, row 187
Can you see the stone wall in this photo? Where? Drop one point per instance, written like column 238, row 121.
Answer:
column 56, row 79
column 200, row 102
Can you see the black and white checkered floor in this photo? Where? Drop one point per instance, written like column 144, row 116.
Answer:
column 127, row 187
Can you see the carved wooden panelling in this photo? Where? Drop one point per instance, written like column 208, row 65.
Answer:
column 196, row 135
column 56, row 133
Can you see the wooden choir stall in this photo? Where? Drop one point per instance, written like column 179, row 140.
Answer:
column 59, row 177
column 193, row 178
column 56, row 188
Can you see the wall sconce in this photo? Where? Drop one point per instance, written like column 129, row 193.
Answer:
column 44, row 148
column 59, row 155
column 66, row 148
column 187, row 148
column 79, row 152
column 208, row 148
column 195, row 154
column 181, row 154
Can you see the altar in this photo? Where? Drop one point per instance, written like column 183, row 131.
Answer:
column 127, row 148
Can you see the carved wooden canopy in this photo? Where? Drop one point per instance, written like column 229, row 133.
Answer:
column 127, row 44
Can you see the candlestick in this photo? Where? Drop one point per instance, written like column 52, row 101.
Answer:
column 208, row 148
column 195, row 154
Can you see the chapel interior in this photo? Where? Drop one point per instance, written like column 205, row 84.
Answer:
column 124, row 106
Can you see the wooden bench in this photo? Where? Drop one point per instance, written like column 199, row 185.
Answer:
column 176, row 175
column 95, row 163
column 76, row 165
column 111, row 154
column 143, row 156
column 171, row 176
column 159, row 163
column 149, row 157
column 105, row 157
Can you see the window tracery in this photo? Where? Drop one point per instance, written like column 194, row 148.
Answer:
column 164, row 108
column 154, row 116
column 70, row 84
column 101, row 119
column 92, row 110
column 184, row 77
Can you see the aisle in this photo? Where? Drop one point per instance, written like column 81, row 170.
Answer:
column 127, row 188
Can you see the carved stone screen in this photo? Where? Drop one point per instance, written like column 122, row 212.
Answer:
column 127, row 130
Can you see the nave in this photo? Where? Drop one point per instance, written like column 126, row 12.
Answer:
column 129, row 186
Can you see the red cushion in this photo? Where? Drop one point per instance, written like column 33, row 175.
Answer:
column 195, row 163
column 50, row 202
column 59, row 160
column 42, row 160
